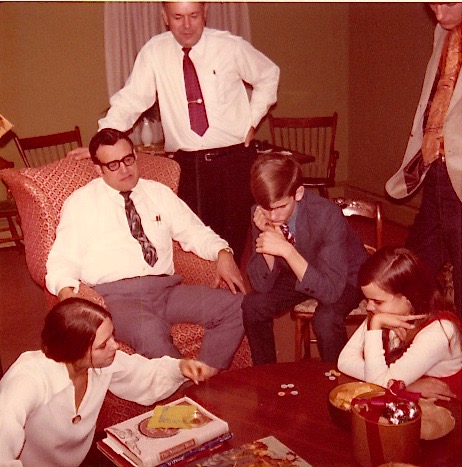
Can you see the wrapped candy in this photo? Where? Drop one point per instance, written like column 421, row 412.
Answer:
column 399, row 412
column 394, row 407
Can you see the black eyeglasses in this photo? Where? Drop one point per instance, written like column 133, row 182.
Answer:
column 128, row 160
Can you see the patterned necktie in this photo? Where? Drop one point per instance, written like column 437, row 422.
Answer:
column 136, row 229
column 432, row 145
column 196, row 106
column 287, row 234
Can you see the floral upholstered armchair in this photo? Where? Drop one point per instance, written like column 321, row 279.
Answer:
column 40, row 193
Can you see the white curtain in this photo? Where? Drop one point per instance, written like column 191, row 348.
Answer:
column 129, row 25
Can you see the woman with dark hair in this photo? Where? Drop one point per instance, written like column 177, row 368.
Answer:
column 409, row 332
column 50, row 399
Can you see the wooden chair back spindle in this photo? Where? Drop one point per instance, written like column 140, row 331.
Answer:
column 314, row 136
column 41, row 150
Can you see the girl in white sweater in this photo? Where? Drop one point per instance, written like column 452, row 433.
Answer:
column 409, row 333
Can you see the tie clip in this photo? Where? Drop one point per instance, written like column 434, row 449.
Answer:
column 197, row 101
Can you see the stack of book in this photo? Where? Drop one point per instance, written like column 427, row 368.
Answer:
column 175, row 433
column 183, row 433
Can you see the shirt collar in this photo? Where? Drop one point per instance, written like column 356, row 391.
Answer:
column 115, row 194
column 197, row 49
column 293, row 219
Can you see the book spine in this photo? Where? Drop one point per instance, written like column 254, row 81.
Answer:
column 199, row 438
column 178, row 449
column 195, row 453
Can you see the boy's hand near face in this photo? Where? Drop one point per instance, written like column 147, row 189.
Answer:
column 261, row 220
column 272, row 242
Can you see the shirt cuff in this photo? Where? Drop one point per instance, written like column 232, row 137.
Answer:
column 72, row 283
column 177, row 376
column 228, row 249
column 223, row 245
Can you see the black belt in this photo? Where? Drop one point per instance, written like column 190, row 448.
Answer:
column 208, row 154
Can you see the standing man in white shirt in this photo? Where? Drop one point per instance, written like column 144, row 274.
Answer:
column 215, row 166
column 100, row 243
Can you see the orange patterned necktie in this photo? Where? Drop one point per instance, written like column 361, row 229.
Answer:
column 432, row 145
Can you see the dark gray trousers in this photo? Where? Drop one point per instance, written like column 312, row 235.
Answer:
column 436, row 235
column 144, row 308
column 260, row 309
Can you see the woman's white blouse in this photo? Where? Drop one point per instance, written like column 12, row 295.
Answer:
column 37, row 404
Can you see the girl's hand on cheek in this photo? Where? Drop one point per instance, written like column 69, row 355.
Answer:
column 394, row 321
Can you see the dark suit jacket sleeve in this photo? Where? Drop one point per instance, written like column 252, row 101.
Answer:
column 261, row 277
column 326, row 241
column 323, row 240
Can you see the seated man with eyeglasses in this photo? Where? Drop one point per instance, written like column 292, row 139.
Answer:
column 115, row 234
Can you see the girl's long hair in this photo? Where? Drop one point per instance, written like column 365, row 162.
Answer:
column 398, row 271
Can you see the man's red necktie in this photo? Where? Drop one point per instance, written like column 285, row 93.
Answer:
column 196, row 105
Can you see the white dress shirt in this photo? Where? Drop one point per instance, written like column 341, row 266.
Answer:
column 435, row 351
column 38, row 405
column 223, row 62
column 94, row 244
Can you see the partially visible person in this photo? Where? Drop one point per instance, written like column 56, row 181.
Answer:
column 216, row 158
column 408, row 335
column 433, row 155
column 115, row 234
column 302, row 247
column 51, row 398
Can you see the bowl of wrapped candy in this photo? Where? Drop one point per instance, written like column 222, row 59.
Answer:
column 340, row 400
column 386, row 426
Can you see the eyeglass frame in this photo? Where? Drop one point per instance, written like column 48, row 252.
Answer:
column 118, row 162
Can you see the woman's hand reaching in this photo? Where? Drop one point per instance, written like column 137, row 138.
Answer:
column 196, row 371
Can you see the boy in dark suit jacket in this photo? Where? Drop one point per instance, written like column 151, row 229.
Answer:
column 302, row 247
